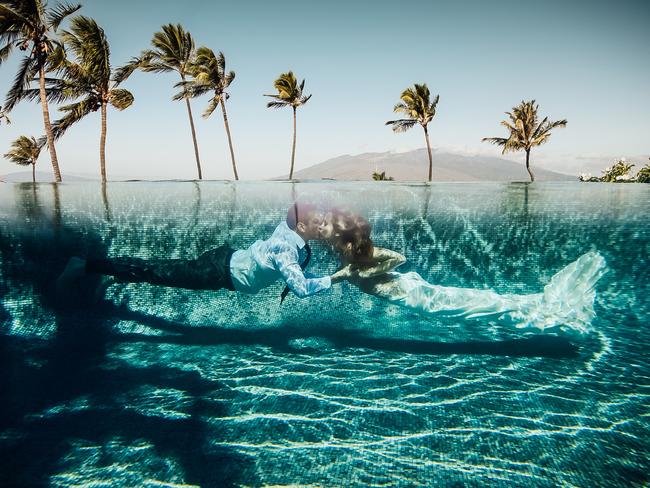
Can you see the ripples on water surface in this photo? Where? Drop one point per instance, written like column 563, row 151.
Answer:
column 160, row 387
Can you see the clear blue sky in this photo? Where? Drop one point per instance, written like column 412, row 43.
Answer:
column 586, row 61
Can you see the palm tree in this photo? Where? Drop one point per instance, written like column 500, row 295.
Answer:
column 30, row 26
column 377, row 176
column 209, row 75
column 526, row 131
column 173, row 49
column 90, row 78
column 289, row 94
column 25, row 151
column 419, row 109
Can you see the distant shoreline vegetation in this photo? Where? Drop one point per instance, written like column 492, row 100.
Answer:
column 619, row 172
column 72, row 68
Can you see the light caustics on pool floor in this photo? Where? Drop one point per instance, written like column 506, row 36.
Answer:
column 160, row 387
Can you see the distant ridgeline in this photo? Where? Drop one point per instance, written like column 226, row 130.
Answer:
column 507, row 237
column 413, row 166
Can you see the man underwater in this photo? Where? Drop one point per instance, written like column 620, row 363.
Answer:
column 246, row 271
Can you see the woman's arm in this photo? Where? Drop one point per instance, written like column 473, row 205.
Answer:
column 386, row 260
column 342, row 274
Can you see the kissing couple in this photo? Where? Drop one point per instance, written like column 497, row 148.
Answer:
column 567, row 300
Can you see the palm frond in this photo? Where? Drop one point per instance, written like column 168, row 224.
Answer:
column 510, row 144
column 204, row 56
column 123, row 72
column 57, row 14
column 152, row 67
column 556, row 124
column 24, row 76
column 511, row 128
column 497, row 141
column 228, row 79
column 75, row 72
column 53, row 95
column 191, row 89
column 277, row 104
column 13, row 18
column 73, row 114
column 433, row 105
column 120, row 98
column 543, row 133
column 402, row 125
column 214, row 103
column 37, row 7
column 151, row 61
column 5, row 117
column 57, row 58
column 401, row 108
column 5, row 52
column 537, row 130
column 9, row 34
column 30, row 94
column 221, row 62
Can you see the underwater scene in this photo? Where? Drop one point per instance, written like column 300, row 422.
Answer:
column 514, row 353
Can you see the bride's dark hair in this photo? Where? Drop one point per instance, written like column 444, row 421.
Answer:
column 351, row 236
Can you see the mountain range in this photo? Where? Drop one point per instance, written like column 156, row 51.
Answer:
column 403, row 166
column 414, row 166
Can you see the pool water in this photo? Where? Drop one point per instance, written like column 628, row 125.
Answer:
column 155, row 386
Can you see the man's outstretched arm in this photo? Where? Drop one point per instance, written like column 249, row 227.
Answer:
column 286, row 261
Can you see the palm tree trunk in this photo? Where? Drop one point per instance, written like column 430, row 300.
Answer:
column 107, row 205
column 532, row 176
column 427, row 197
column 426, row 135
column 102, row 145
column 293, row 149
column 48, row 126
column 197, row 204
column 196, row 145
column 33, row 173
column 57, row 207
column 232, row 153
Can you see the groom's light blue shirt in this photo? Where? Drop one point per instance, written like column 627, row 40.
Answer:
column 264, row 262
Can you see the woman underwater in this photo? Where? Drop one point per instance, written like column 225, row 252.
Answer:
column 567, row 300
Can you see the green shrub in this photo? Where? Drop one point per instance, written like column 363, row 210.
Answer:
column 643, row 176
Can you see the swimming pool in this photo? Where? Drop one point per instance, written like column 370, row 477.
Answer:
column 156, row 386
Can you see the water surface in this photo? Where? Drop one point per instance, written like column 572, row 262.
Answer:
column 156, row 386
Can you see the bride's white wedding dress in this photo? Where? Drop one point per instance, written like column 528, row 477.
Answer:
column 567, row 300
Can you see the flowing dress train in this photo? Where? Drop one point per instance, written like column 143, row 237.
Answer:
column 567, row 299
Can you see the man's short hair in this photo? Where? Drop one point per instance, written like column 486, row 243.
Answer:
column 299, row 212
